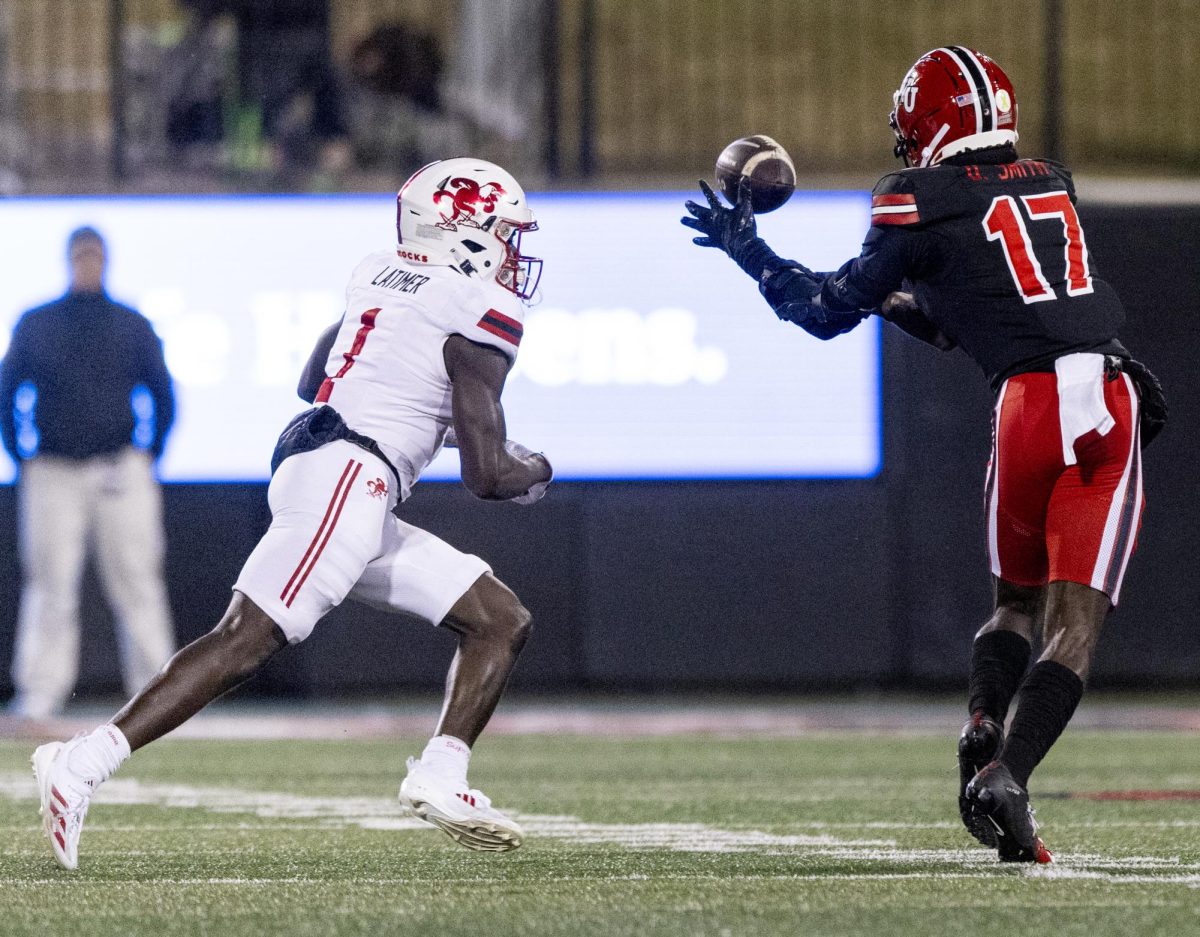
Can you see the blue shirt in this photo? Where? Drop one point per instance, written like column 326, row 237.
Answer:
column 84, row 354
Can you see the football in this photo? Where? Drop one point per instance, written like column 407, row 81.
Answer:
column 767, row 166
column 765, row 163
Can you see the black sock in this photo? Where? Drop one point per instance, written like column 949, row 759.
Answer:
column 1049, row 696
column 998, row 661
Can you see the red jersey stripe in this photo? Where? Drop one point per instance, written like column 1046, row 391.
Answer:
column 878, row 201
column 511, row 323
column 499, row 332
column 906, row 218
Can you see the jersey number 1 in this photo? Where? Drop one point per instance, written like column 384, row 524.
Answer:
column 1003, row 223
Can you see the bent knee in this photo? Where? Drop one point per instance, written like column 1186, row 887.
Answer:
column 248, row 633
column 508, row 623
column 514, row 624
column 523, row 623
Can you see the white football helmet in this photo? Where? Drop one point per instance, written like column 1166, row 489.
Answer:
column 470, row 214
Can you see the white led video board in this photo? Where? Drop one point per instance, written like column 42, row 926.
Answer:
column 646, row 356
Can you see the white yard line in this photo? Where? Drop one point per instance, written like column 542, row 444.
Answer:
column 1051, row 873
column 385, row 813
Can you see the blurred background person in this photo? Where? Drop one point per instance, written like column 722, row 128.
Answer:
column 287, row 88
column 394, row 104
column 494, row 81
column 69, row 383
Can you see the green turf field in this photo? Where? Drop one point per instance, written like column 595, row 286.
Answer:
column 682, row 835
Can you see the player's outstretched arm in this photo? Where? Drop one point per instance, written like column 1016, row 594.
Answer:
column 492, row 467
column 313, row 374
column 792, row 290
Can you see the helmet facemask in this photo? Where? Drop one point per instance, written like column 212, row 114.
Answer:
column 904, row 148
column 518, row 273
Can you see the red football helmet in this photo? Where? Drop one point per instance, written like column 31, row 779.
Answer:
column 953, row 99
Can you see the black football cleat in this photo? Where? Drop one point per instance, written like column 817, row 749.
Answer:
column 979, row 743
column 1005, row 804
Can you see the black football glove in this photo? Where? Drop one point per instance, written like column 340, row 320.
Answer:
column 733, row 230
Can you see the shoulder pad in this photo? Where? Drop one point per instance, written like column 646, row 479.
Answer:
column 894, row 200
column 919, row 196
column 1063, row 173
column 492, row 317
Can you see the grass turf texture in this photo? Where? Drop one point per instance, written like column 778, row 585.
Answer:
column 893, row 859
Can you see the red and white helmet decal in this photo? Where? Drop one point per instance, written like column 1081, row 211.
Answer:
column 465, row 198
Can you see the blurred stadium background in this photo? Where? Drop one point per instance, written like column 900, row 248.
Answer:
column 737, row 710
column 783, row 584
column 175, row 95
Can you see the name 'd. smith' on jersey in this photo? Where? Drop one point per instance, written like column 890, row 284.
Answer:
column 402, row 281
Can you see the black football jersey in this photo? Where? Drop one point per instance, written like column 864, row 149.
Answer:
column 995, row 257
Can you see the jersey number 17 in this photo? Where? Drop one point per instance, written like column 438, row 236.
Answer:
column 1004, row 223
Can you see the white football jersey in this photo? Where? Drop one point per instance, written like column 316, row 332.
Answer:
column 386, row 375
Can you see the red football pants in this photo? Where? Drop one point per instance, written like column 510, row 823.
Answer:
column 1049, row 520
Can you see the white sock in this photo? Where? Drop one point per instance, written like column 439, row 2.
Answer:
column 100, row 754
column 447, row 755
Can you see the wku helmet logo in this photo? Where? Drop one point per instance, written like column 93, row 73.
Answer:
column 466, row 199
column 377, row 488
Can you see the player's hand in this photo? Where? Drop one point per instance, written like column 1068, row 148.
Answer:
column 730, row 229
column 538, row 490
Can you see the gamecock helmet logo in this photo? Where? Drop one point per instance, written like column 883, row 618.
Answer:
column 467, row 199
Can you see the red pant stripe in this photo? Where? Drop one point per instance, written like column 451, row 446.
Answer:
column 1120, row 530
column 992, row 489
column 317, row 536
column 328, row 532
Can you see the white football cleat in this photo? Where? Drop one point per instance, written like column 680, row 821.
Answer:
column 65, row 798
column 463, row 814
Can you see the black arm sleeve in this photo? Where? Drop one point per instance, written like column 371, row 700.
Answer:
column 313, row 374
column 889, row 255
column 835, row 304
column 793, row 290
column 158, row 381
column 13, row 370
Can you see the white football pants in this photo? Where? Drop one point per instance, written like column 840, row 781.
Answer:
column 112, row 504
